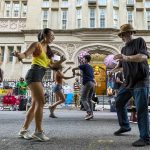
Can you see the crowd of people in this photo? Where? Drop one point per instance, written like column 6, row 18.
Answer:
column 132, row 80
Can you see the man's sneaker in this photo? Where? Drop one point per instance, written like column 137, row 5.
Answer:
column 25, row 134
column 53, row 116
column 140, row 143
column 88, row 117
column 40, row 136
column 121, row 130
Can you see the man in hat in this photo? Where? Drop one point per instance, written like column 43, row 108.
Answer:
column 133, row 61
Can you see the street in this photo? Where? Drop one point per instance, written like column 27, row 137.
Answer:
column 68, row 132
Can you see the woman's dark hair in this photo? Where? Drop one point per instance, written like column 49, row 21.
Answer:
column 41, row 34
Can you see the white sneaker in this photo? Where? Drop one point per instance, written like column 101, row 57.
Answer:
column 88, row 117
column 40, row 136
column 24, row 134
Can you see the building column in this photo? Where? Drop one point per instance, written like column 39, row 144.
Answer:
column 5, row 57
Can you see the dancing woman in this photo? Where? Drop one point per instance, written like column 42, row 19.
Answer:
column 60, row 97
column 41, row 60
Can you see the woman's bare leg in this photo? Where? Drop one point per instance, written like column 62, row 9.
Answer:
column 29, row 116
column 38, row 95
column 60, row 98
column 38, row 98
column 36, row 109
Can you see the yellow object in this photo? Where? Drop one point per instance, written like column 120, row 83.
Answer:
column 98, row 57
column 5, row 91
column 41, row 60
column 100, row 78
column 148, row 60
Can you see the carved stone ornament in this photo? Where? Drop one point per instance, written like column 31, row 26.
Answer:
column 22, row 25
column 77, row 45
column 70, row 50
column 3, row 25
column 13, row 25
column 63, row 45
column 117, row 45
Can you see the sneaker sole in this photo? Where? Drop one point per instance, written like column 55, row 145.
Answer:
column 51, row 116
column 21, row 136
column 120, row 134
column 39, row 139
column 89, row 118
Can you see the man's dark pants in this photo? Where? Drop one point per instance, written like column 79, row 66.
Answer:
column 140, row 96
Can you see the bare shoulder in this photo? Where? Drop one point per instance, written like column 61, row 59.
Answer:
column 36, row 44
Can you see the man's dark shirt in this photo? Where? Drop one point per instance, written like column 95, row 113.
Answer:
column 120, row 76
column 136, row 74
column 87, row 73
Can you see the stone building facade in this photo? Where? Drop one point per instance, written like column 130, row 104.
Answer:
column 79, row 25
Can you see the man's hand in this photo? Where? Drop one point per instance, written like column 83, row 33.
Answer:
column 118, row 57
column 122, row 57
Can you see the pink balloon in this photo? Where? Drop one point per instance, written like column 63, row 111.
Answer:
column 109, row 61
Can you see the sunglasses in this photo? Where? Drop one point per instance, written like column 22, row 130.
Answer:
column 123, row 34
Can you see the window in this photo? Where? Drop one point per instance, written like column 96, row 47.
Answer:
column 148, row 25
column 92, row 17
column 102, row 18
column 130, row 17
column 115, row 2
column 45, row 18
column 115, row 18
column 10, row 49
column 131, row 2
column 64, row 3
column 45, row 14
column 147, row 4
column 45, row 3
column 102, row 2
column 148, row 20
column 78, row 2
column 64, row 19
column 45, row 24
column 23, row 9
column 2, row 50
column 78, row 18
column 19, row 49
column 16, row 9
column 7, row 9
column 148, row 15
